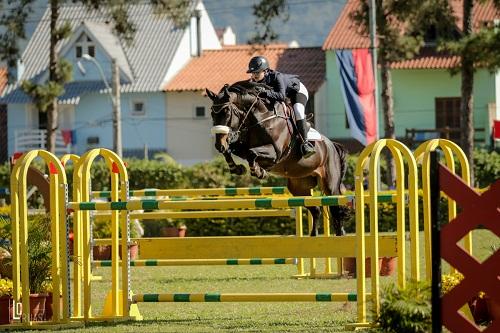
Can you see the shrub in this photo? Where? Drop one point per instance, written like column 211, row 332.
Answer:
column 406, row 310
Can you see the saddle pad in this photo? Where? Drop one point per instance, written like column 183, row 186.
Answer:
column 314, row 135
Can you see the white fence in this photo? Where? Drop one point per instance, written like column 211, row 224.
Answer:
column 30, row 139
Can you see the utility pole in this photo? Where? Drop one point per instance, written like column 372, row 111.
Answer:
column 117, row 121
column 373, row 48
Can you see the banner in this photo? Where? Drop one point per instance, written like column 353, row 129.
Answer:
column 357, row 83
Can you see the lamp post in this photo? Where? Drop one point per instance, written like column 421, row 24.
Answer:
column 115, row 99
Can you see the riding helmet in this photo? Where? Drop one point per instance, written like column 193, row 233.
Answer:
column 257, row 64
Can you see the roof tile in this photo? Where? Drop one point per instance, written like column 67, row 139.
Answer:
column 346, row 35
column 3, row 79
column 214, row 68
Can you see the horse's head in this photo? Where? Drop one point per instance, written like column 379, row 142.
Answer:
column 226, row 117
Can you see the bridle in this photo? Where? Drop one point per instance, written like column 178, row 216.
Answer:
column 233, row 109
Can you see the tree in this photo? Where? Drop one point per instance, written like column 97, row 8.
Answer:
column 477, row 49
column 45, row 95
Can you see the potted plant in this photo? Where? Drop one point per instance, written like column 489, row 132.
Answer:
column 172, row 229
column 349, row 264
column 6, row 301
column 40, row 261
column 102, row 230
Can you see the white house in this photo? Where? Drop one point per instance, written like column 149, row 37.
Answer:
column 159, row 51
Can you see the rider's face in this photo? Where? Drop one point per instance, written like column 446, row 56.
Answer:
column 257, row 76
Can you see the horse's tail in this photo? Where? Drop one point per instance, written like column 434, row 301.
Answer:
column 337, row 162
column 336, row 169
column 342, row 151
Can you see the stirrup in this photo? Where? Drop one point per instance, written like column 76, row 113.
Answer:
column 307, row 150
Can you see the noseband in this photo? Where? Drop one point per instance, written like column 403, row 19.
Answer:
column 233, row 109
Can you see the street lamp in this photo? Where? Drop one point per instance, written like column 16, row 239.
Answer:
column 114, row 95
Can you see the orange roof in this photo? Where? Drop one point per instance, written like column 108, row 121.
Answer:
column 3, row 79
column 214, row 68
column 346, row 35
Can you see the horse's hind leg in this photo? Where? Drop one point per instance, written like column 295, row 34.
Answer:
column 337, row 213
column 302, row 187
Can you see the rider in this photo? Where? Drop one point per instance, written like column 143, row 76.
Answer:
column 284, row 85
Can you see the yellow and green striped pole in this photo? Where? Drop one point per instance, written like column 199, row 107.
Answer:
column 202, row 262
column 246, row 297
column 228, row 191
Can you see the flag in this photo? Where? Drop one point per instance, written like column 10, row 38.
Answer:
column 358, row 89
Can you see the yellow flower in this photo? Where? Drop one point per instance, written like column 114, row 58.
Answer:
column 449, row 281
column 6, row 287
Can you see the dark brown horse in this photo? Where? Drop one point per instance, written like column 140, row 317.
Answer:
column 245, row 127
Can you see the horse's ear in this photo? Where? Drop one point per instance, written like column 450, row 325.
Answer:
column 226, row 91
column 210, row 94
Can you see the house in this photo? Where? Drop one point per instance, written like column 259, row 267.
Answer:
column 159, row 50
column 188, row 115
column 426, row 96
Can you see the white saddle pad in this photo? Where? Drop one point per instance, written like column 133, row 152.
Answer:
column 314, row 135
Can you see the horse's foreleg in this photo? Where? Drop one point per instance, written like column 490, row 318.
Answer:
column 237, row 169
column 264, row 154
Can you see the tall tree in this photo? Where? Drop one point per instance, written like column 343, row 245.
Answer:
column 476, row 49
column 44, row 95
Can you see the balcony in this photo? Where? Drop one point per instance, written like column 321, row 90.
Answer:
column 30, row 139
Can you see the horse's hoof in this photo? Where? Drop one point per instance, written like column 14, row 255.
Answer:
column 240, row 170
column 262, row 175
column 340, row 232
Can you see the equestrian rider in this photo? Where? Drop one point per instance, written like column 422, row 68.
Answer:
column 284, row 85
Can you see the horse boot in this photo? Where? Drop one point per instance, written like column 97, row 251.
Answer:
column 306, row 148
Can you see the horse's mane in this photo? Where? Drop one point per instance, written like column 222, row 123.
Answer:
column 248, row 87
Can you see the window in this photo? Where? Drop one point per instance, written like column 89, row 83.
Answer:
column 448, row 114
column 84, row 45
column 138, row 108
column 79, row 52
column 199, row 112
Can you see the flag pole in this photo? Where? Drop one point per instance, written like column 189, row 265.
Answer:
column 373, row 48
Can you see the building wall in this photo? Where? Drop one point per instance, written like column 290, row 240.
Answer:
column 188, row 138
column 414, row 99
column 209, row 40
column 17, row 119
column 94, row 119
column 320, row 106
column 497, row 95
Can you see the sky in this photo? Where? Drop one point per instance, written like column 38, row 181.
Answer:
column 309, row 23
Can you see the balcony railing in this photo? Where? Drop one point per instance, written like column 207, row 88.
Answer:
column 30, row 139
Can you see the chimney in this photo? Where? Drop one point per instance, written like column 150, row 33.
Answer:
column 228, row 36
column 197, row 14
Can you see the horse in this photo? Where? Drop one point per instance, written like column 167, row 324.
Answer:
column 244, row 126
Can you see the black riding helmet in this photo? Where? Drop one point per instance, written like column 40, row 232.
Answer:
column 257, row 64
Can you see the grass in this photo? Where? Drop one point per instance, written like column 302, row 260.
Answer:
column 239, row 317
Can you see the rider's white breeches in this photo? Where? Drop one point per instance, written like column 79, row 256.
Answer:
column 299, row 107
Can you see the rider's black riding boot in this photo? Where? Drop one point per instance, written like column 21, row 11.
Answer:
column 306, row 148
